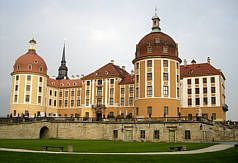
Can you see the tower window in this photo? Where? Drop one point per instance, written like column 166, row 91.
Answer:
column 78, row 93
column 137, row 65
column 149, row 76
column 18, row 67
column 122, row 101
column 41, row 68
column 16, row 88
column 111, row 101
column 40, row 79
column 205, row 90
column 165, row 63
column 131, row 90
column 212, row 79
column 72, row 93
column 197, row 90
column 28, row 77
column 197, row 81
column 39, row 99
column 213, row 100
column 88, row 83
column 197, row 101
column 17, row 78
column 131, row 100
column 189, row 91
column 189, row 101
column 40, row 89
column 112, row 81
column 166, row 78
column 166, row 90
column 213, row 89
column 78, row 102
column 111, row 91
column 15, row 99
column 28, row 87
column 122, row 90
column 137, row 78
column 27, row 98
column 137, row 92
column 189, row 81
column 205, row 101
column 149, row 63
column 149, row 90
column 87, row 92
column 204, row 80
column 72, row 103
column 66, row 103
column 165, row 49
column 157, row 40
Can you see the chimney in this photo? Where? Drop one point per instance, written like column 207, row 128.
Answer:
column 208, row 60
column 123, row 67
column 112, row 61
column 185, row 62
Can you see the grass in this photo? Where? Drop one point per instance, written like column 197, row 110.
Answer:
column 230, row 155
column 95, row 145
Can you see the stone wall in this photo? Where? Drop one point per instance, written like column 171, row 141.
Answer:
column 199, row 131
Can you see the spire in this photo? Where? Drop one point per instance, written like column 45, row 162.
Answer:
column 63, row 70
column 156, row 19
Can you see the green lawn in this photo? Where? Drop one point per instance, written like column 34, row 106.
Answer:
column 95, row 145
column 229, row 156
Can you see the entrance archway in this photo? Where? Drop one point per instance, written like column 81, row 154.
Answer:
column 44, row 133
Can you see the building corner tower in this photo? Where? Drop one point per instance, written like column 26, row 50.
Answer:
column 157, row 74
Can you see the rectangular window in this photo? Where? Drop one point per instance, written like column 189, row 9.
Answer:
column 72, row 93
column 78, row 93
column 87, row 102
column 99, row 92
column 187, row 134
column 72, row 103
column 205, row 101
column 165, row 63
column 50, row 101
column 115, row 134
column 28, row 77
column 131, row 100
column 149, row 63
column 137, row 78
column 177, row 78
column 16, row 88
column 142, row 134
column 87, row 92
column 189, row 91
column 197, row 81
column 149, row 90
column 51, row 92
column 156, row 134
column 61, row 94
column 40, row 79
column 66, row 93
column 205, row 90
column 78, row 102
column 39, row 99
column 112, row 81
column 166, row 90
column 149, row 76
column 197, row 90
column 213, row 116
column 212, row 79
column 165, row 49
column 213, row 100
column 131, row 90
column 88, row 83
column 165, row 76
column 137, row 65
column 27, row 98
column 149, row 111
column 178, row 93
column 122, row 90
column 111, row 91
column 99, row 82
column 60, row 103
column 17, row 77
column 213, row 89
column 166, row 110
column 54, row 102
column 189, row 101
column 137, row 92
column 40, row 89
column 111, row 101
column 122, row 101
column 177, row 66
column 204, row 80
column 28, row 87
column 55, row 93
column 189, row 81
column 15, row 98
column 197, row 101
column 66, row 103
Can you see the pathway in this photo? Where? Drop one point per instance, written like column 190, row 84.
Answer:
column 213, row 148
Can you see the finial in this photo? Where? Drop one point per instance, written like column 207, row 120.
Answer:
column 156, row 10
column 32, row 43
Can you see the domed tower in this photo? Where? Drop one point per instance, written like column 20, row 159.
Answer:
column 156, row 67
column 29, row 81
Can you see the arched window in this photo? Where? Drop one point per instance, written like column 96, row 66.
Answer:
column 29, row 67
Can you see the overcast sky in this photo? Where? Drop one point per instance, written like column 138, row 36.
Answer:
column 102, row 30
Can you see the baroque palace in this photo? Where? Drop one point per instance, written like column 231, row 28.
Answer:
column 158, row 87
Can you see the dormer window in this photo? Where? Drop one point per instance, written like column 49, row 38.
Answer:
column 61, row 84
column 41, row 68
column 75, row 84
column 157, row 40
column 68, row 84
column 18, row 67
column 149, row 49
column 165, row 49
column 35, row 61
column 106, row 72
column 29, row 67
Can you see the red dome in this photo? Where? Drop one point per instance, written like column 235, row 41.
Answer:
column 30, row 62
column 156, row 44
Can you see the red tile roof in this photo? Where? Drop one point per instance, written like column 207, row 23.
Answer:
column 202, row 69
column 129, row 79
column 65, row 83
column 107, row 71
